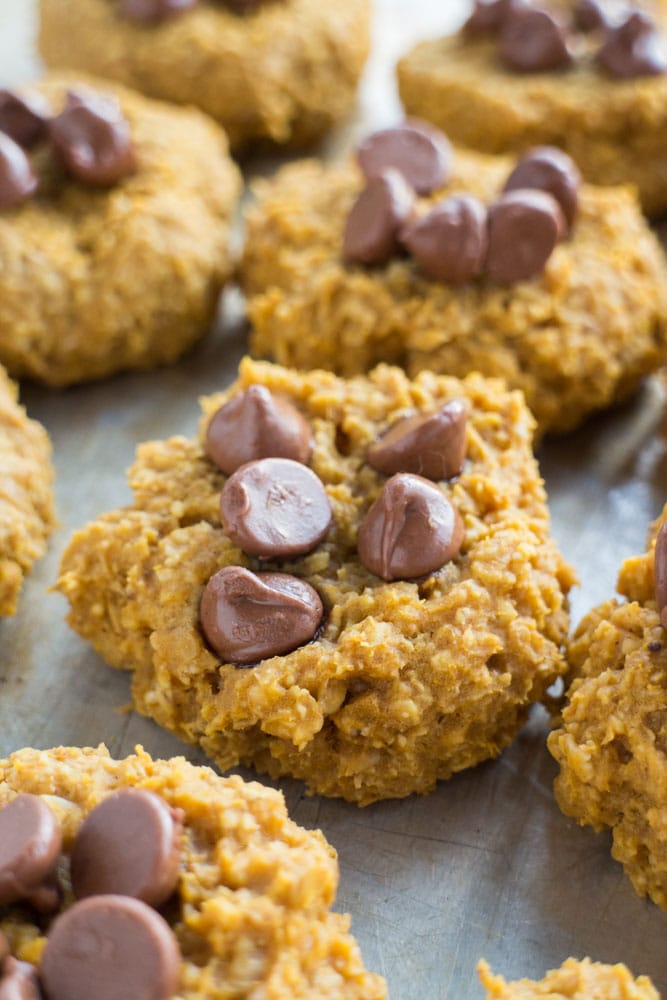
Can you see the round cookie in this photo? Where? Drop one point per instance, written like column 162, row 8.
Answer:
column 98, row 279
column 252, row 886
column 26, row 494
column 611, row 743
column 286, row 72
column 613, row 127
column 404, row 681
column 574, row 980
column 575, row 338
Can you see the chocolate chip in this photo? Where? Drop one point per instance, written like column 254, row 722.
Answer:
column 5, row 950
column 412, row 529
column 487, row 17
column 432, row 445
column 19, row 981
column 108, row 947
column 30, row 842
column 416, row 149
column 17, row 178
column 532, row 41
column 154, row 10
column 546, row 168
column 275, row 508
column 375, row 219
column 449, row 243
column 589, row 15
column 660, row 573
column 256, row 424
column 247, row 617
column 524, row 228
column 634, row 48
column 129, row 845
column 25, row 117
column 92, row 138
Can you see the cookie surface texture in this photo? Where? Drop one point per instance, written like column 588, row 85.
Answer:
column 407, row 681
column 286, row 73
column 96, row 280
column 574, row 980
column 252, row 884
column 612, row 742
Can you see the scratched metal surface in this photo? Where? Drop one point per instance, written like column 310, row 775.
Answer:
column 486, row 865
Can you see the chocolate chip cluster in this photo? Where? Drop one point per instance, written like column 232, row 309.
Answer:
column 533, row 40
column 458, row 238
column 89, row 138
column 124, row 862
column 273, row 506
column 154, row 11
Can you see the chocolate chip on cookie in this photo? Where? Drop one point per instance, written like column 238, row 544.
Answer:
column 416, row 149
column 660, row 573
column 17, row 178
column 634, row 48
column 375, row 220
column 449, row 243
column 432, row 445
column 150, row 11
column 532, row 41
column 589, row 15
column 92, row 139
column 488, row 16
column 546, row 168
column 524, row 227
column 24, row 117
column 30, row 842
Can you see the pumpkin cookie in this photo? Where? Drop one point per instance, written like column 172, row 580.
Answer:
column 114, row 229
column 611, row 744
column 278, row 70
column 95, row 846
column 573, row 981
column 351, row 582
column 26, row 494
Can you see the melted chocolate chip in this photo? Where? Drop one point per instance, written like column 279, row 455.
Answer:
column 247, row 617
column 256, row 424
column 488, row 17
column 412, row 529
column 432, row 445
column 589, row 15
column 152, row 11
column 30, row 842
column 24, row 117
column 532, row 41
column 416, row 149
column 17, row 178
column 634, row 48
column 374, row 222
column 524, row 228
column 108, row 947
column 546, row 168
column 449, row 243
column 19, row 981
column 92, row 139
column 129, row 845
column 275, row 508
column 660, row 573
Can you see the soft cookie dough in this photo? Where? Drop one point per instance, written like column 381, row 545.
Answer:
column 574, row 980
column 612, row 741
column 252, row 909
column 575, row 339
column 408, row 681
column 26, row 494
column 97, row 280
column 286, row 73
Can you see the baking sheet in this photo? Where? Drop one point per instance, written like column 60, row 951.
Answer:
column 486, row 865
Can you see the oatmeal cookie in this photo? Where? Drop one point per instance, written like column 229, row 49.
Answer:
column 250, row 885
column 611, row 744
column 26, row 494
column 574, row 980
column 404, row 680
column 286, row 72
column 114, row 274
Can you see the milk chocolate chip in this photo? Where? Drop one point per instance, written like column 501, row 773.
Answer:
column 256, row 424
column 108, row 947
column 416, row 149
column 129, row 845
column 412, row 529
column 546, row 168
column 487, row 17
column 24, row 117
column 589, row 15
column 247, row 617
column 524, row 228
column 449, row 243
column 17, row 178
column 92, row 138
column 275, row 508
column 532, row 41
column 660, row 573
column 432, row 445
column 150, row 11
column 19, row 981
column 634, row 48
column 5, row 950
column 30, row 842
column 374, row 222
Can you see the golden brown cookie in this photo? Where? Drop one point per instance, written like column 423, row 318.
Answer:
column 406, row 681
column 574, row 980
column 26, row 494
column 95, row 280
column 285, row 73
column 252, row 886
column 611, row 744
